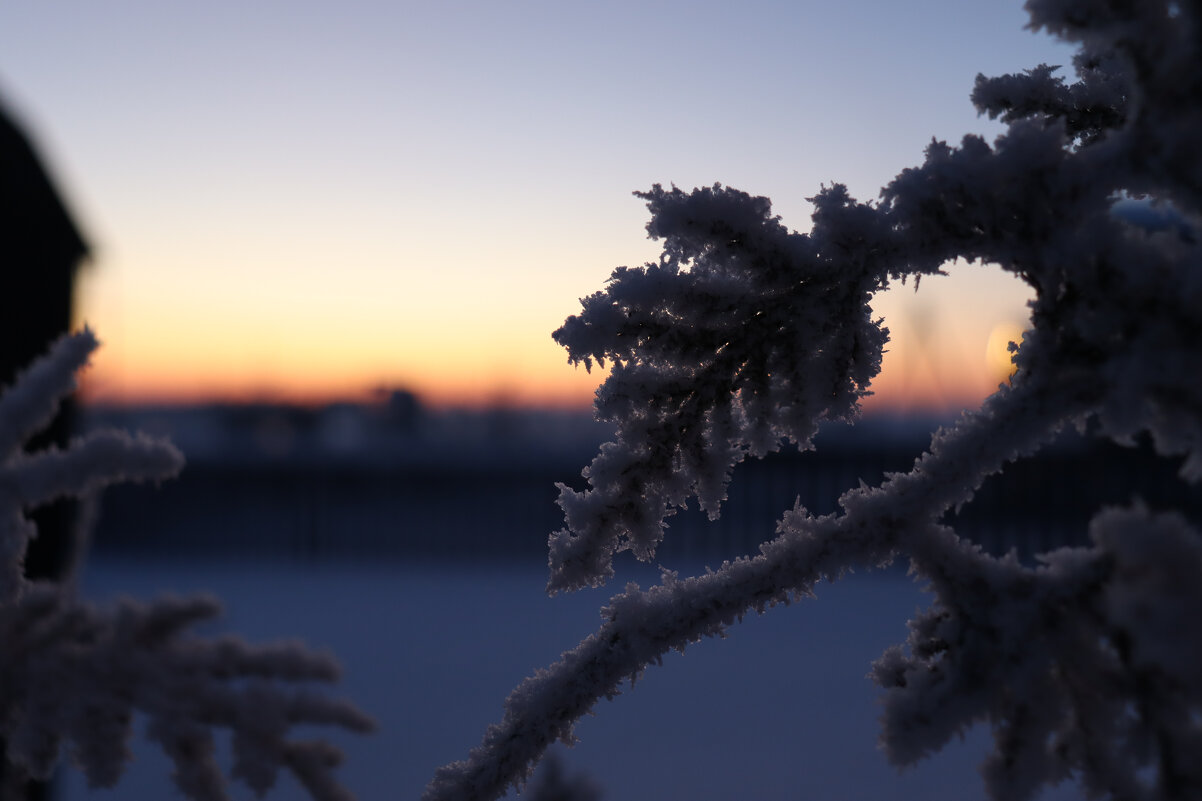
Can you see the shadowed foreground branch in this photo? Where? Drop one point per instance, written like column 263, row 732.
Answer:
column 73, row 674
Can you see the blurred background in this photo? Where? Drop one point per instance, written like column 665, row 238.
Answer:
column 326, row 245
column 308, row 201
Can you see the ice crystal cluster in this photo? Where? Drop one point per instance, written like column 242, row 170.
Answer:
column 744, row 336
column 74, row 675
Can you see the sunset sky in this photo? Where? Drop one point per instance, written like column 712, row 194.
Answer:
column 308, row 200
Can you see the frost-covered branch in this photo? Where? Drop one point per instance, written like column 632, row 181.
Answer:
column 1089, row 109
column 73, row 674
column 762, row 336
column 88, row 464
column 746, row 335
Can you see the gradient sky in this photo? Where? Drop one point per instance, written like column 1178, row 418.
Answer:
column 307, row 200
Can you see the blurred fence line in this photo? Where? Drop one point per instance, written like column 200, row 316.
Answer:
column 502, row 506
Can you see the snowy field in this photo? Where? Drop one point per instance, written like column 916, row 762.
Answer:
column 781, row 709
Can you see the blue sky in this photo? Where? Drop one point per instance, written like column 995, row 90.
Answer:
column 311, row 199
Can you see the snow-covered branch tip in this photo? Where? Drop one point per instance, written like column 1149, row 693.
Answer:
column 86, row 465
column 74, row 674
column 744, row 335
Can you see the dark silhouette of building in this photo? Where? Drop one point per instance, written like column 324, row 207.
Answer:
column 40, row 251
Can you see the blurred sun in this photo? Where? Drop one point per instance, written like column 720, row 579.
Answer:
column 997, row 350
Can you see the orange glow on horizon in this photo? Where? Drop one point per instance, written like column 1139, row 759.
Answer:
column 570, row 389
column 946, row 353
column 895, row 390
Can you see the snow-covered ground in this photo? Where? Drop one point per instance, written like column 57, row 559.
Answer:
column 780, row 709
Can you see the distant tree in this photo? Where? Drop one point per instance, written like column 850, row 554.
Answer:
column 745, row 336
column 74, row 674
